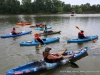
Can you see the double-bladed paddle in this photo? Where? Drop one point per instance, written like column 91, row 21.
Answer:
column 79, row 29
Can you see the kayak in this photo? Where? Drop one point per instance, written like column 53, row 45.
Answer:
column 41, row 29
column 40, row 65
column 36, row 26
column 88, row 38
column 50, row 33
column 19, row 34
column 34, row 42
column 24, row 23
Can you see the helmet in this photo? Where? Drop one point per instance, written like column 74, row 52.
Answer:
column 82, row 31
column 13, row 28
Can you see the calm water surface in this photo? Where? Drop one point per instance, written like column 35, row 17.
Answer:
column 12, row 55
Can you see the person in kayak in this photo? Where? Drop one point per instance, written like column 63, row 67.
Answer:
column 41, row 26
column 14, row 31
column 81, row 34
column 45, row 29
column 37, row 24
column 51, row 58
column 37, row 38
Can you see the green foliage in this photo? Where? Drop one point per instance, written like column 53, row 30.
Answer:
column 44, row 6
column 79, row 10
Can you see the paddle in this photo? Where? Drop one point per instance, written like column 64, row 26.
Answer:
column 71, row 61
column 91, row 39
column 74, row 64
column 77, row 27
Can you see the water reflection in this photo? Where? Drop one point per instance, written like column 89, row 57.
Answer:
column 63, row 22
column 15, row 38
column 37, row 49
column 80, row 45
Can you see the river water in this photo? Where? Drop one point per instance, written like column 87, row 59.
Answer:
column 13, row 55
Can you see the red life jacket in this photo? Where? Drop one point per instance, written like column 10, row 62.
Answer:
column 51, row 60
column 80, row 33
column 13, row 31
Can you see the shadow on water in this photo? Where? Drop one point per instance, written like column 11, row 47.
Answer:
column 74, row 60
column 15, row 38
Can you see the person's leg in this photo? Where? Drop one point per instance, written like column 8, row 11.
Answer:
column 41, row 41
column 13, row 33
column 68, row 56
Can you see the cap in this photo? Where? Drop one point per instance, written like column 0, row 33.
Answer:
column 47, row 49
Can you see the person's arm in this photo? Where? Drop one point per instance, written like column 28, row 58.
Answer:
column 54, row 57
column 83, row 35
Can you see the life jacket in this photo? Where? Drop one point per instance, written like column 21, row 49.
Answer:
column 51, row 60
column 81, row 35
column 13, row 32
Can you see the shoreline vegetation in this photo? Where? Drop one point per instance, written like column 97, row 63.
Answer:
column 45, row 7
column 46, row 13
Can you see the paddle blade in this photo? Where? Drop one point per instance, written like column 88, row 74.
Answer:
column 93, row 41
column 72, row 63
column 77, row 27
column 39, row 46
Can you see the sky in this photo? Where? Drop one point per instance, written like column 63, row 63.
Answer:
column 79, row 2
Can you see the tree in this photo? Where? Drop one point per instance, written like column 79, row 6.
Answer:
column 67, row 8
column 12, row 6
column 79, row 10
column 26, row 6
column 2, row 6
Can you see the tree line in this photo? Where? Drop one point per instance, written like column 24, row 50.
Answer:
column 44, row 7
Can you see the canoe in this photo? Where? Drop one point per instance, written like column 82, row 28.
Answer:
column 50, row 33
column 34, row 43
column 88, row 38
column 11, row 35
column 40, row 65
column 41, row 29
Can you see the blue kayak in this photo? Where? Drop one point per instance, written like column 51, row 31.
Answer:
column 11, row 35
column 34, row 43
column 37, row 66
column 41, row 29
column 88, row 38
